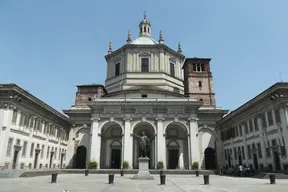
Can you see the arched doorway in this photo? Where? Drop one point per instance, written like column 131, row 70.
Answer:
column 80, row 157
column 148, row 129
column 173, row 154
column 111, row 146
column 210, row 158
column 176, row 146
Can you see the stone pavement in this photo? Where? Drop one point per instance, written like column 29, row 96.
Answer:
column 174, row 183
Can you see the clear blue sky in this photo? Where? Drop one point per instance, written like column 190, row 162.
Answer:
column 48, row 47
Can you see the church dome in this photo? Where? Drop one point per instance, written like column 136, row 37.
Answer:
column 144, row 41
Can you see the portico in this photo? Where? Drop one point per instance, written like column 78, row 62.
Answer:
column 113, row 129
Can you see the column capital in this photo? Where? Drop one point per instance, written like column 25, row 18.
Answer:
column 127, row 119
column 193, row 119
column 160, row 119
column 95, row 119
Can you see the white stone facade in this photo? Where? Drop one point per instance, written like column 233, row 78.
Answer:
column 256, row 133
column 175, row 129
column 144, row 91
column 32, row 134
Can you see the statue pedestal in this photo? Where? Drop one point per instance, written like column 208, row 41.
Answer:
column 143, row 173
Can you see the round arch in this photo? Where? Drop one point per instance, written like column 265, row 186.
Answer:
column 107, row 124
column 111, row 152
column 208, row 130
column 150, row 132
column 178, row 123
column 139, row 123
column 177, row 155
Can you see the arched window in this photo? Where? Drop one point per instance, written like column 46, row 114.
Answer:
column 200, row 84
column 144, row 29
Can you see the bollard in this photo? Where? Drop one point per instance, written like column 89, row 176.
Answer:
column 86, row 172
column 272, row 179
column 54, row 177
column 111, row 178
column 162, row 179
column 122, row 172
column 206, row 179
column 197, row 173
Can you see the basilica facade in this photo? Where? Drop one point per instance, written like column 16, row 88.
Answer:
column 149, row 88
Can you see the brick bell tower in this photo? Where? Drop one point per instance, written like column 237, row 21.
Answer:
column 198, row 80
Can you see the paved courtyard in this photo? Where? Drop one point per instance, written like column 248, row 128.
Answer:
column 174, row 183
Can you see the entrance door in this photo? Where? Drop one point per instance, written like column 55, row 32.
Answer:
column 81, row 157
column 255, row 161
column 36, row 160
column 14, row 164
column 115, row 159
column 277, row 161
column 210, row 159
column 173, row 158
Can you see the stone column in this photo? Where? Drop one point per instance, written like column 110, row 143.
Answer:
column 128, row 142
column 95, row 141
column 194, row 140
column 189, row 152
column 161, row 142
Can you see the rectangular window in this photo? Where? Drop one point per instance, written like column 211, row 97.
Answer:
column 263, row 119
column 117, row 69
column 277, row 116
column 236, row 131
column 240, row 130
column 270, row 118
column 256, row 124
column 235, row 154
column 198, row 67
column 59, row 154
column 145, row 65
column 24, row 149
column 9, row 147
column 243, row 152
column 32, row 149
column 246, row 127
column 259, row 150
column 249, row 151
column 251, row 125
column 42, row 151
column 22, row 116
column 172, row 69
column 47, row 155
column 55, row 154
column 25, row 123
column 14, row 117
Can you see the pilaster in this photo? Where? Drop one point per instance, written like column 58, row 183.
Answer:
column 194, row 141
column 128, row 142
column 161, row 144
column 95, row 145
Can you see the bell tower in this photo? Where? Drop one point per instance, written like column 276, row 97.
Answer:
column 198, row 80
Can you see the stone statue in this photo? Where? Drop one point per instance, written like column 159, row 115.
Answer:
column 144, row 144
